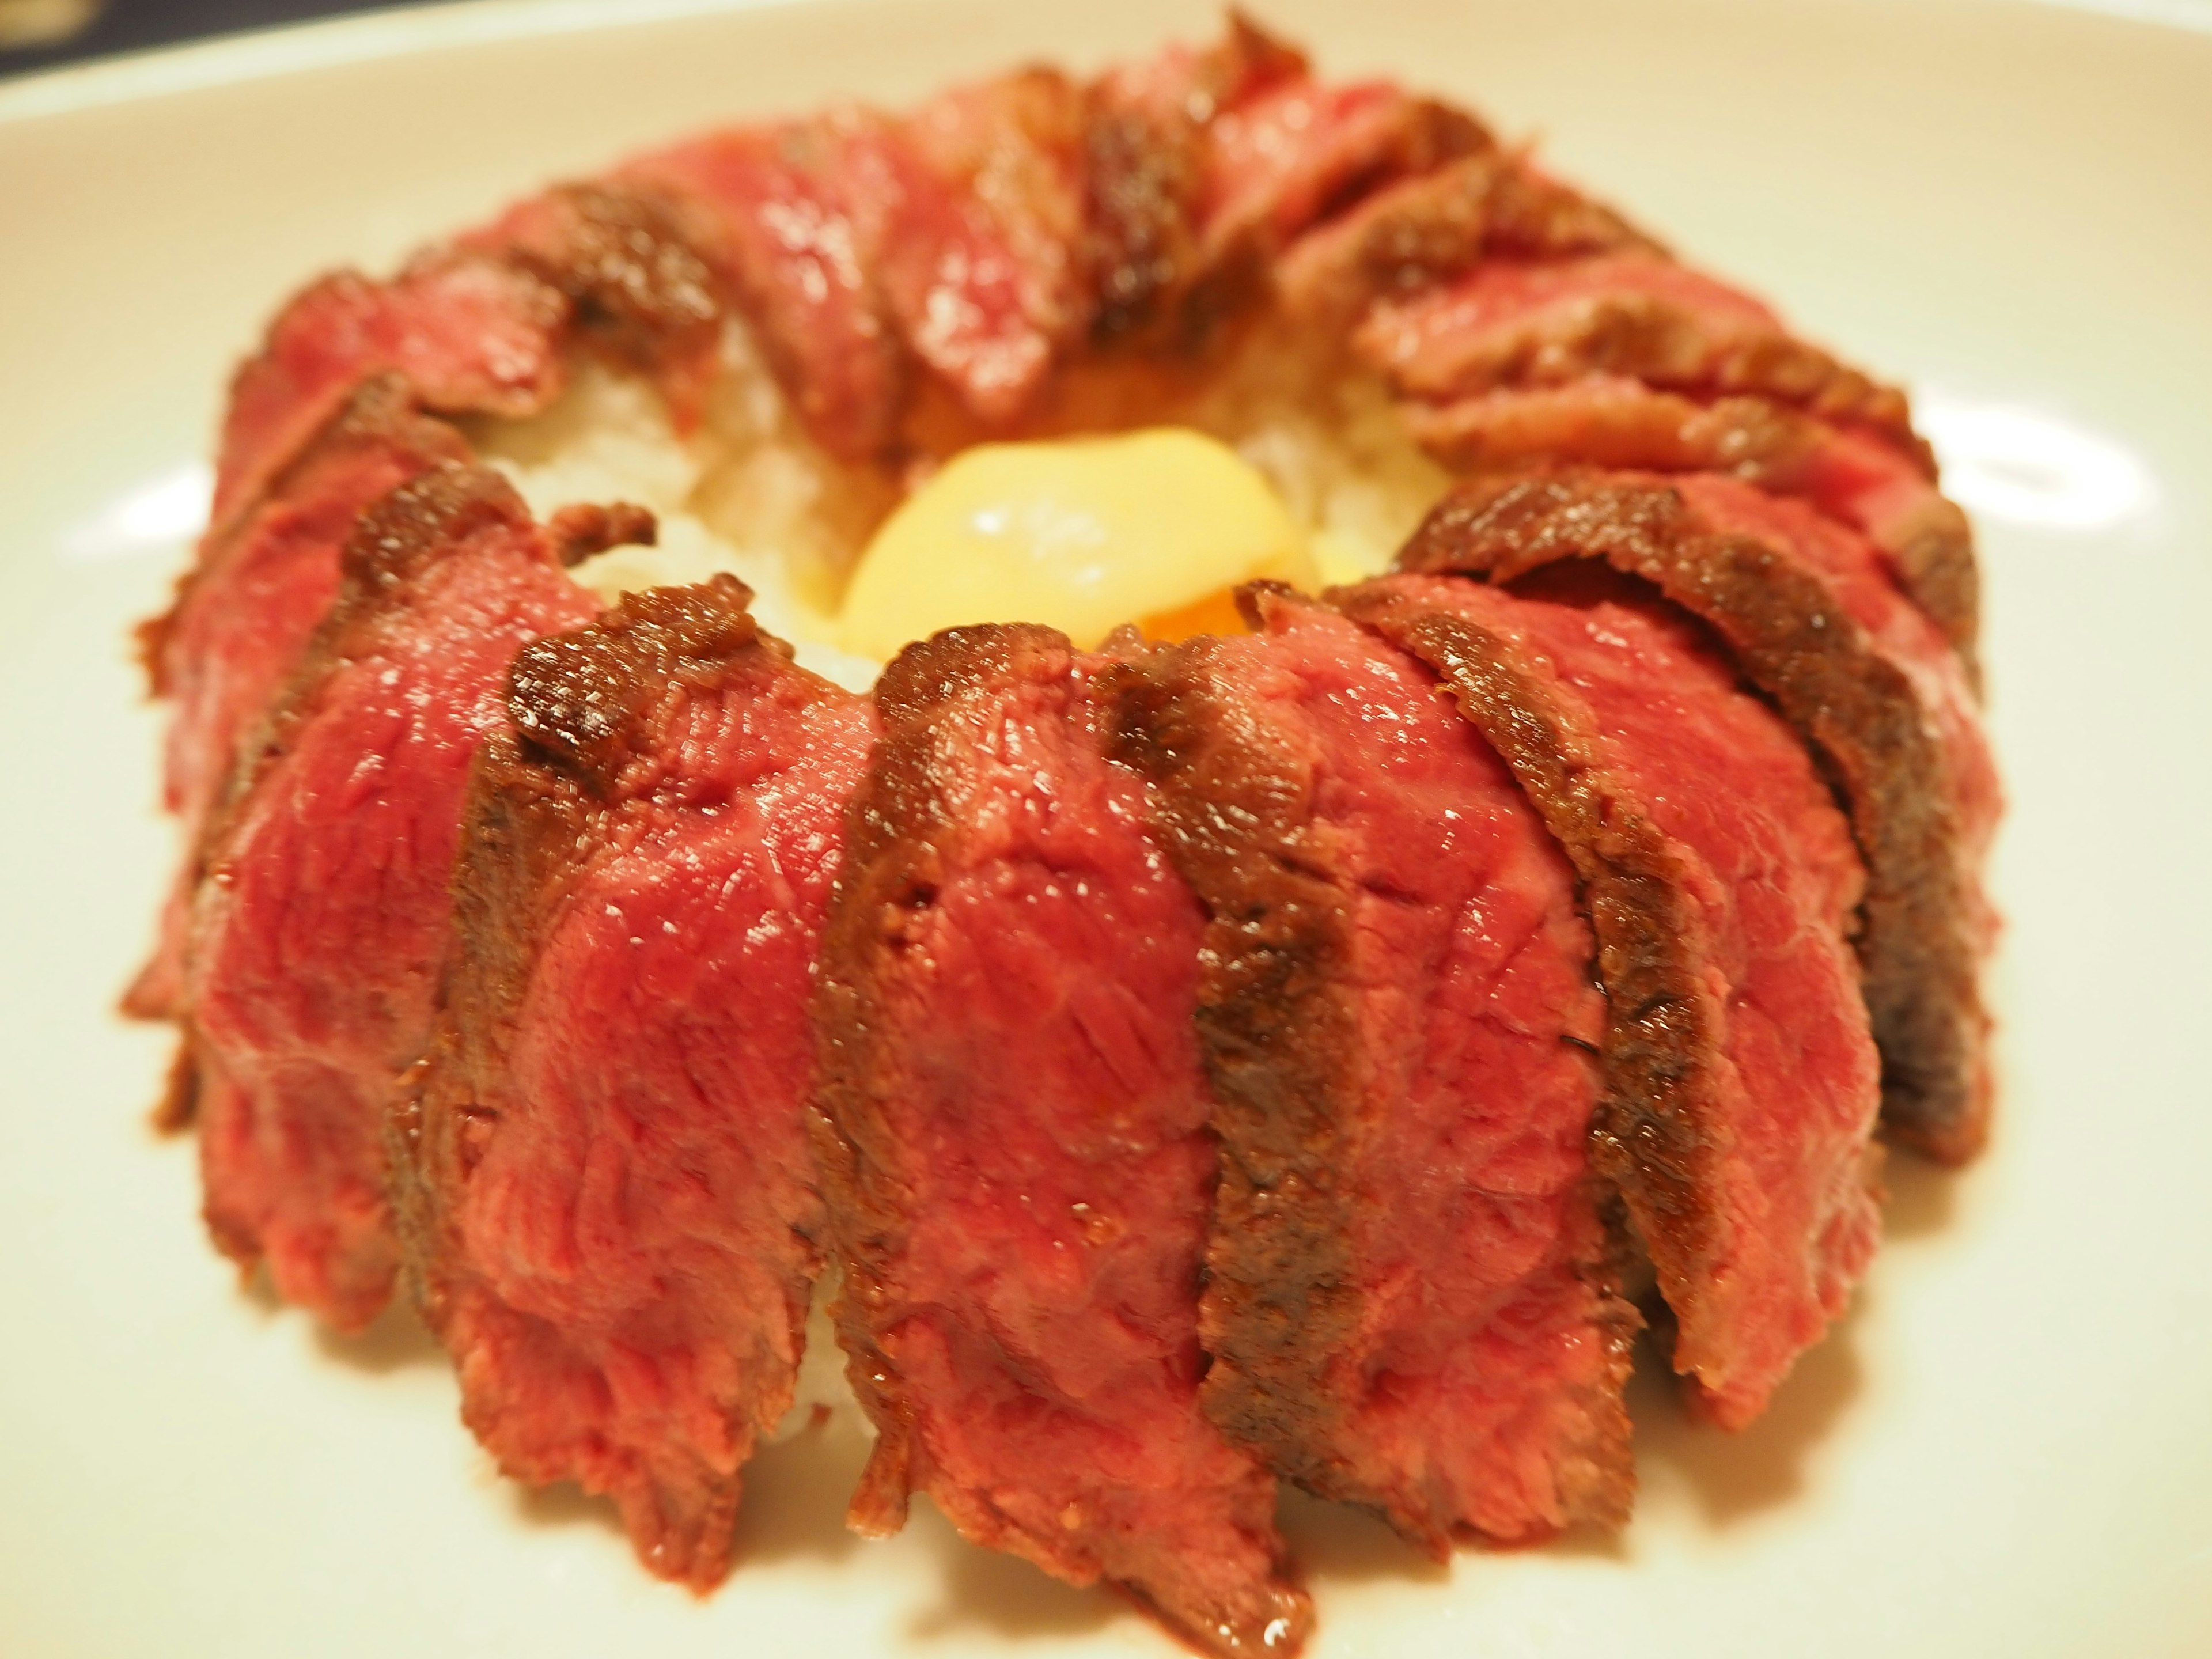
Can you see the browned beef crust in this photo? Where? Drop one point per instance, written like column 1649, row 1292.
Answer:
column 601, row 717
column 1659, row 1047
column 1765, row 443
column 1430, row 228
column 411, row 528
column 525, row 825
column 1276, row 1027
column 1852, row 702
column 392, row 543
column 640, row 289
column 585, row 528
column 590, row 699
column 1152, row 276
column 1139, row 245
column 582, row 704
column 1932, row 545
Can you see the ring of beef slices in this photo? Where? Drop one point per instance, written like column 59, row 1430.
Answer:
column 1721, row 881
column 1814, row 620
column 1021, row 257
column 605, row 1182
column 321, row 925
column 1411, row 1298
column 1015, row 1150
column 1000, row 231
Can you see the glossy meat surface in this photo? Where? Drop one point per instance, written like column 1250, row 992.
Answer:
column 1412, row 1304
column 1742, row 1080
column 1016, row 1150
column 321, row 929
column 607, row 1193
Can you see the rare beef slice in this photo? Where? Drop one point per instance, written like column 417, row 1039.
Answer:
column 1811, row 616
column 321, row 925
column 607, row 1192
column 1741, row 1081
column 242, row 620
column 1412, row 1300
column 1865, row 477
column 1522, row 322
column 1015, row 1151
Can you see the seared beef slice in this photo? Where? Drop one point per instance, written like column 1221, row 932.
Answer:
column 463, row 334
column 1811, row 614
column 604, row 1179
column 789, row 223
column 1859, row 476
column 1015, row 1148
column 1515, row 322
column 320, row 928
column 1410, row 1304
column 244, row 613
column 1741, row 1081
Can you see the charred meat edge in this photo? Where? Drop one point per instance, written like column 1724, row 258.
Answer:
column 1763, row 443
column 1277, row 1025
column 637, row 287
column 1649, row 1137
column 890, row 867
column 585, row 705
column 1275, row 1020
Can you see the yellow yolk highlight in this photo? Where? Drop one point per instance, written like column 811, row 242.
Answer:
column 1083, row 534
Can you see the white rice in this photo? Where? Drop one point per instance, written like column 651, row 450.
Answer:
column 750, row 493
column 821, row 1387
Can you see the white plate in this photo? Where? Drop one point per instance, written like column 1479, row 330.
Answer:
column 2006, row 1449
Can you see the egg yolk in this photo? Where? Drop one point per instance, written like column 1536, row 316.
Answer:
column 1083, row 534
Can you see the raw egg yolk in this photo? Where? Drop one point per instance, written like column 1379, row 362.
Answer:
column 1154, row 527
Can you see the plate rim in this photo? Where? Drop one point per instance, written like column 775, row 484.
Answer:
column 251, row 55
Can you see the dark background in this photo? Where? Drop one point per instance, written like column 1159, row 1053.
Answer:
column 133, row 25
